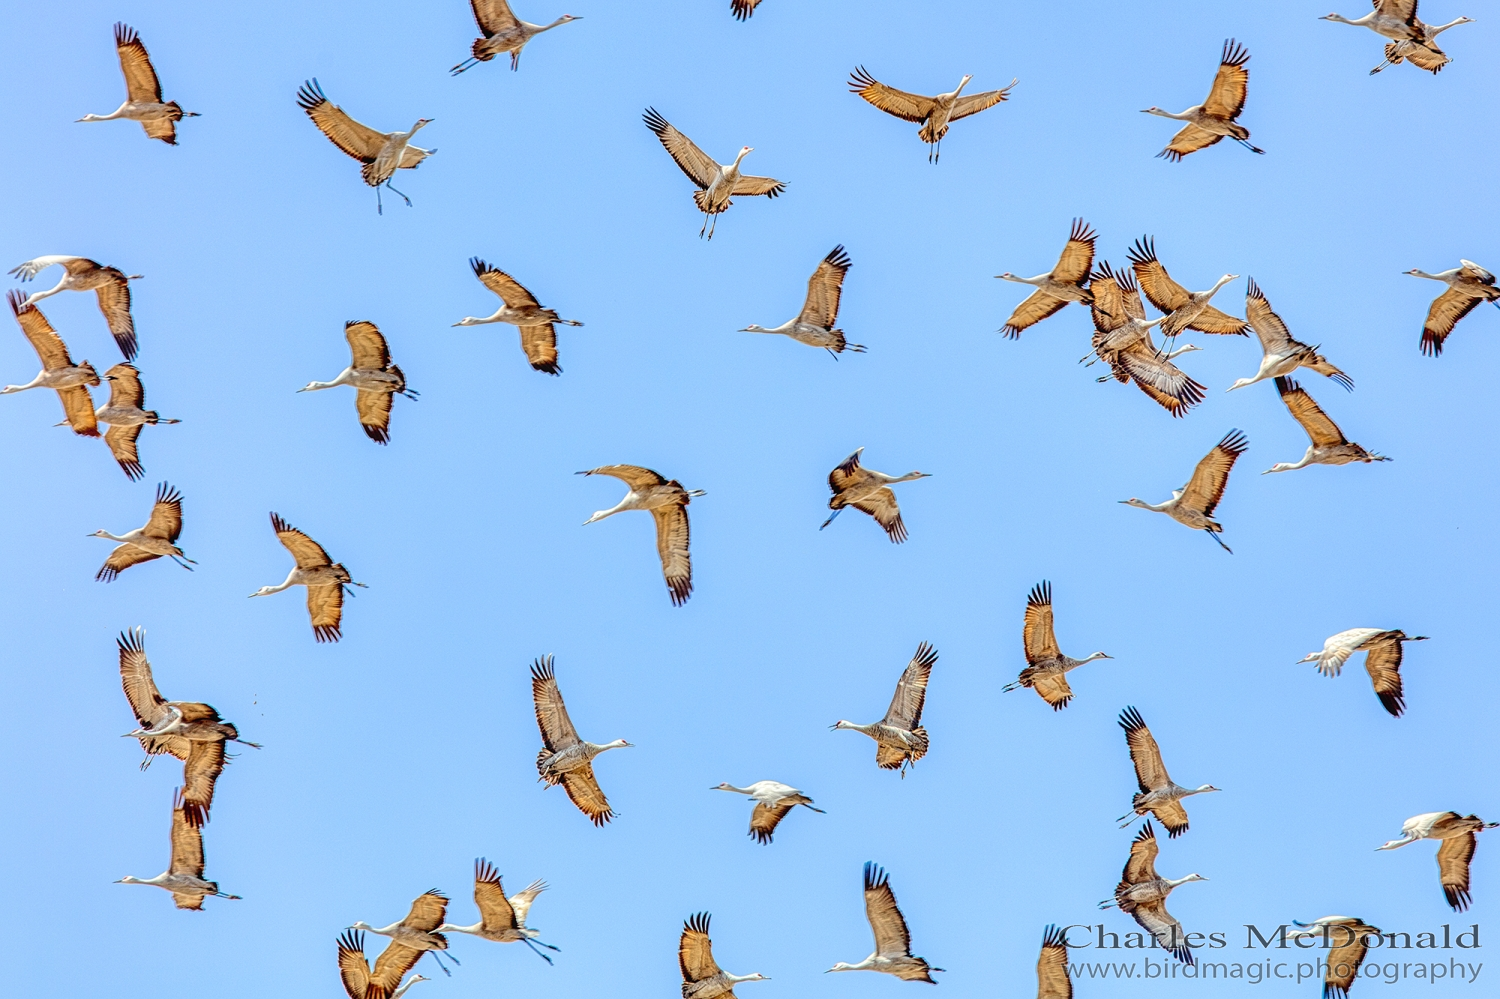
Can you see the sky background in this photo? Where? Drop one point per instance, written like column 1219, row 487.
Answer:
column 397, row 756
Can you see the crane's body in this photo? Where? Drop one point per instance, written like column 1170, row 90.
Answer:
column 502, row 32
column 143, row 99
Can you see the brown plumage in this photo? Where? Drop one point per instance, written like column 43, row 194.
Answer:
column 354, row 971
column 380, row 154
column 869, row 492
column 537, row 326
column 1184, row 310
column 1214, row 119
column 1344, row 940
column 1055, row 289
column 1052, row 980
column 110, row 285
column 900, row 739
column 702, row 978
column 143, row 100
column 892, row 954
column 742, row 9
column 157, row 538
column 1328, row 444
column 1193, row 505
column 1047, row 668
column 717, row 183
column 1142, row 894
column 412, row 937
column 57, row 365
column 1122, row 339
column 501, row 31
column 566, row 758
column 125, row 413
column 668, row 501
column 1468, row 286
column 1159, row 794
column 325, row 579
column 933, row 113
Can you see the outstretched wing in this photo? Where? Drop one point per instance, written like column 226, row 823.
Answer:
column 1052, row 966
column 883, row 507
column 695, row 951
column 751, row 186
column 146, row 702
column 633, row 476
column 1274, row 336
column 390, row 967
column 1444, row 313
column 1207, row 484
column 489, row 894
column 1032, row 310
column 374, row 409
column 120, row 559
column 166, row 514
column 1145, row 754
column 1142, row 863
column 892, row 939
column 912, row 107
column 842, row 475
column 1226, row 98
column 584, row 791
column 141, row 84
column 1453, row 865
column 511, row 292
column 672, row 539
column 1166, row 294
column 1077, row 259
column 44, row 340
column 1212, row 320
column 1053, row 688
column 307, row 552
column 1323, row 431
column 764, row 819
column 114, row 303
column 122, row 441
column 356, row 140
column 1347, row 947
column 78, row 410
column 982, row 101
column 821, row 307
column 540, row 345
column 187, row 841
column 552, row 718
column 905, row 710
column 1162, row 925
column 1037, row 631
column 694, row 162
column 494, row 17
column 427, row 911
column 521, row 900
column 325, row 606
column 125, row 388
column 204, row 764
column 1160, row 379
column 354, row 969
column 1383, row 663
column 742, row 9
column 1188, row 140
column 367, row 346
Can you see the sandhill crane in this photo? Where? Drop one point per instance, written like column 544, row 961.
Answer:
column 869, row 492
column 1280, row 354
column 59, row 373
column 1393, row 19
column 1346, row 938
column 1453, row 856
column 565, row 758
column 1214, row 119
column 1185, row 310
column 375, row 378
column 1059, row 286
column 412, row 937
column 520, row 308
column 717, row 182
column 191, row 731
column 501, row 919
column 667, row 500
column 1143, row 894
column 820, row 310
column 359, row 981
column 742, row 9
column 1468, row 285
column 1159, row 794
column 184, row 874
column 1383, row 661
column 702, row 978
column 773, row 801
column 900, row 739
column 1424, row 54
column 143, row 101
column 1052, row 979
column 382, row 153
column 1329, row 446
column 933, row 113
column 110, row 285
column 1047, row 668
column 1193, row 505
column 503, row 32
column 125, row 417
column 892, row 954
column 1122, row 339
column 157, row 538
column 325, row 579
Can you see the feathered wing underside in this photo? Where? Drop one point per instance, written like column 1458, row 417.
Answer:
column 1053, row 688
column 1077, row 259
column 821, row 307
column 204, row 764
column 166, row 514
column 145, row 699
column 1205, row 488
column 122, row 444
column 374, row 409
column 764, row 819
column 539, row 343
column 892, row 938
column 391, row 966
column 695, row 951
column 1346, row 953
column 325, row 606
column 1037, row 633
column 584, row 791
column 699, row 167
column 1145, row 754
column 1322, row 431
column 114, row 303
column 367, row 346
column 353, row 139
column 887, row 513
column 122, row 558
column 307, row 552
column 911, row 107
column 1052, row 977
column 1160, row 379
column 354, row 969
column 672, row 544
column 984, row 100
column 1383, row 663
column 552, row 718
column 521, row 901
column 1033, row 309
column 1444, row 313
column 489, row 895
column 511, row 291
column 125, row 388
column 749, row 185
column 1275, row 337
column 905, row 710
column 187, row 842
column 1189, row 139
column 427, row 911
column 1226, row 98
column 494, row 17
column 1161, row 924
column 78, row 410
column 1401, row 10
column 891, row 757
column 49, row 347
column 1142, row 863
column 633, row 476
column 1163, row 292
column 141, row 84
column 1453, row 858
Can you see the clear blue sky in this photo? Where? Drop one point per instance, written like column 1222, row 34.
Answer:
column 396, row 757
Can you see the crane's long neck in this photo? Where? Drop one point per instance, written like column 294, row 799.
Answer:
column 22, row 388
column 455, row 928
column 1174, row 882
column 741, row 790
column 560, row 20
column 1168, row 114
column 1423, row 274
column 908, row 477
column 111, row 537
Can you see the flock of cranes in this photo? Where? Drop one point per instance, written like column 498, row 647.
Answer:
column 198, row 736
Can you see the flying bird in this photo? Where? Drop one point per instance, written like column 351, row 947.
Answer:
column 668, row 502
column 157, row 538
column 1468, row 285
column 143, row 101
column 900, row 739
column 702, row 978
column 565, row 758
column 358, row 980
column 1424, row 54
column 893, row 954
column 742, row 9
column 1346, row 940
column 503, row 31
column 110, row 285
column 59, row 373
column 820, row 310
column 1280, row 354
column 1052, row 980
column 933, row 113
column 869, row 492
column 125, row 416
column 520, row 308
column 1383, row 661
column 382, row 153
column 501, row 919
column 1214, row 119
column 717, row 183
column 376, row 380
column 326, row 580
column 1453, row 855
column 1122, row 339
column 192, row 732
column 184, row 875
column 1329, row 446
column 1193, row 505
column 1159, row 794
column 1059, row 286
column 1185, row 310
column 411, row 938
column 773, row 801
column 1393, row 19
column 1142, row 893
column 1047, row 668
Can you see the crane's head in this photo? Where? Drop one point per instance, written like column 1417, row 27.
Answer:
column 1192, row 877
column 361, row 925
column 1153, row 109
column 1135, row 502
column 841, row 966
column 1099, row 655
column 128, row 880
column 264, row 591
column 99, row 534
